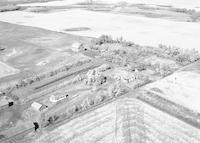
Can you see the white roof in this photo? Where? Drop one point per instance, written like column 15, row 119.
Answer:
column 36, row 106
column 75, row 46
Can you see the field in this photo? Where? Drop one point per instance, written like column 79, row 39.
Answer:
column 27, row 51
column 138, row 29
column 125, row 120
column 181, row 87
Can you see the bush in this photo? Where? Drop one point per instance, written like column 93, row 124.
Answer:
column 141, row 67
column 103, row 39
column 117, row 89
column 52, row 120
column 195, row 16
column 91, row 102
column 128, row 43
column 183, row 10
column 77, row 108
column 183, row 59
column 2, row 136
column 188, row 56
column 181, row 56
column 165, row 70
column 85, row 104
column 193, row 55
column 9, row 8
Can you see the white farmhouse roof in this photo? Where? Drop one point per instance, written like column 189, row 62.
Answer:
column 75, row 46
column 36, row 106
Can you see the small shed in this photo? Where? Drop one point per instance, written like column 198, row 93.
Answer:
column 76, row 46
column 38, row 107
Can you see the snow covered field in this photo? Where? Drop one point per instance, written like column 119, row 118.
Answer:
column 122, row 121
column 182, row 88
column 190, row 4
column 141, row 30
column 53, row 3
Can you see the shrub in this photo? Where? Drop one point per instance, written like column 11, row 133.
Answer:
column 120, row 40
column 183, row 59
column 85, row 104
column 165, row 70
column 91, row 102
column 103, row 39
column 52, row 119
column 102, row 97
column 181, row 56
column 195, row 16
column 193, row 55
column 9, row 8
column 117, row 89
column 141, row 67
column 128, row 43
column 77, row 108
column 183, row 10
column 2, row 136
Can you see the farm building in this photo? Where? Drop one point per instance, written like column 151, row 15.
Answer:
column 56, row 98
column 76, row 46
column 38, row 107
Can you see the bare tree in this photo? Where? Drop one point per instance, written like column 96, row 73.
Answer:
column 89, row 1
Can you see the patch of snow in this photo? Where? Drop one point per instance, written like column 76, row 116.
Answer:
column 42, row 63
column 75, row 46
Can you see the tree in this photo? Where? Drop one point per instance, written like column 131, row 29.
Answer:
column 91, row 102
column 85, row 104
column 90, row 1
column 117, row 89
column 52, row 119
column 2, row 136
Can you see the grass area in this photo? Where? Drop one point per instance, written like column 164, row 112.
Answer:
column 26, row 47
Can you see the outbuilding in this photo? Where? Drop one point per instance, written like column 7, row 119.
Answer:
column 38, row 107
